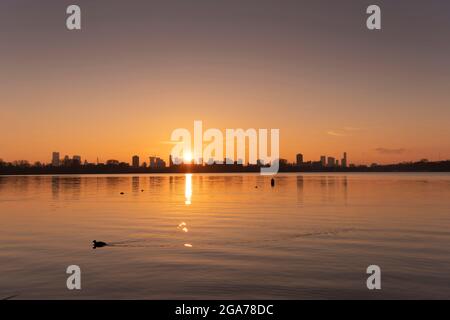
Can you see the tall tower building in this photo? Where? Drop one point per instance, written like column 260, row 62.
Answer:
column 135, row 161
column 344, row 161
column 331, row 161
column 55, row 159
column 323, row 161
column 152, row 162
column 299, row 159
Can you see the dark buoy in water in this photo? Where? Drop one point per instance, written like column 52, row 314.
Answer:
column 122, row 193
column 142, row 190
column 272, row 182
column 98, row 244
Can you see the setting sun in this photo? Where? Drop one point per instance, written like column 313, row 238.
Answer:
column 187, row 158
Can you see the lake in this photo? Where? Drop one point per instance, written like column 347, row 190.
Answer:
column 226, row 236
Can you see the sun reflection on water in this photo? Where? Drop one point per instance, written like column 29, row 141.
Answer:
column 188, row 189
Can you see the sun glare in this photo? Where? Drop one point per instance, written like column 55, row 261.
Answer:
column 187, row 157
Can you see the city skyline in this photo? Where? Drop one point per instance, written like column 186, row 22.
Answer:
column 156, row 162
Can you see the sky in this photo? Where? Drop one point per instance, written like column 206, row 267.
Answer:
column 140, row 69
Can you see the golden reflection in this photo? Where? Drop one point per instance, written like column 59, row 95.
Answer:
column 188, row 189
column 183, row 227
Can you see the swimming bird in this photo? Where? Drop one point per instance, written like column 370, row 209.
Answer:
column 99, row 244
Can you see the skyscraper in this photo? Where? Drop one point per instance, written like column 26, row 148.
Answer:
column 344, row 161
column 323, row 161
column 152, row 163
column 160, row 163
column 135, row 161
column 299, row 159
column 55, row 159
column 331, row 162
column 157, row 163
column 66, row 161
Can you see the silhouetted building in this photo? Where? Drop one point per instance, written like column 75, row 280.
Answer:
column 260, row 162
column 157, row 163
column 66, row 161
column 76, row 160
column 170, row 161
column 160, row 163
column 152, row 162
column 331, row 162
column 55, row 159
column 112, row 162
column 344, row 161
column 135, row 161
column 299, row 159
column 323, row 161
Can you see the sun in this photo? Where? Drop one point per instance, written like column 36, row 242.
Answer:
column 187, row 157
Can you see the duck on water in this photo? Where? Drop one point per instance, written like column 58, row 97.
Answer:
column 98, row 244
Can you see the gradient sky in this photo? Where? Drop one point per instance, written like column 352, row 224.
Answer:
column 139, row 69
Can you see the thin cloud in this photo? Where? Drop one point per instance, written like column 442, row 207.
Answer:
column 344, row 132
column 336, row 134
column 390, row 151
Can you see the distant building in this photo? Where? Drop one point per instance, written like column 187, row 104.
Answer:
column 135, row 161
column 152, row 163
column 170, row 161
column 55, row 159
column 76, row 160
column 157, row 163
column 299, row 159
column 344, row 161
column 112, row 162
column 66, row 161
column 331, row 162
column 323, row 161
column 160, row 163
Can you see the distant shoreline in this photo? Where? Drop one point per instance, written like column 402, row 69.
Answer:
column 441, row 166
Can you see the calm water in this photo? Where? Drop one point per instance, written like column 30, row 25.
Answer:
column 312, row 236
